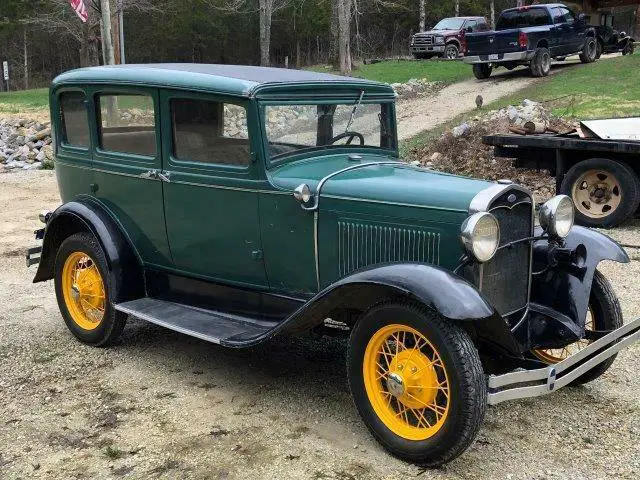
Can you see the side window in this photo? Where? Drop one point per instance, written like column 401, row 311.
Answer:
column 127, row 124
column 210, row 132
column 74, row 120
column 539, row 17
column 473, row 24
column 568, row 15
column 557, row 15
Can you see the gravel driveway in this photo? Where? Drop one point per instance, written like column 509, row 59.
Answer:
column 163, row 405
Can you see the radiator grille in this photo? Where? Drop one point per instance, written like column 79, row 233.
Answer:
column 506, row 277
column 421, row 40
column 360, row 245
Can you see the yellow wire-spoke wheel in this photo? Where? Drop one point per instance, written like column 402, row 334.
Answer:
column 555, row 355
column 83, row 290
column 406, row 382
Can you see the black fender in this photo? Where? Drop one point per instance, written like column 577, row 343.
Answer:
column 85, row 214
column 451, row 296
column 562, row 274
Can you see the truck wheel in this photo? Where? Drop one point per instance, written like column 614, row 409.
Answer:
column 589, row 50
column 628, row 48
column 482, row 70
column 541, row 62
column 83, row 290
column 599, row 49
column 604, row 314
column 451, row 51
column 417, row 382
column 605, row 192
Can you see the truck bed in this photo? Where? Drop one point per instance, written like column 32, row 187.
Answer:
column 513, row 143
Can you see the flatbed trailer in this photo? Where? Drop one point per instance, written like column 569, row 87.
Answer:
column 601, row 176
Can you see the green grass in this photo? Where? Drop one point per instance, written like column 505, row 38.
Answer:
column 400, row 71
column 606, row 88
column 16, row 102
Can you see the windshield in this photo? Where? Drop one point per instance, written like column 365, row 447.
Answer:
column 296, row 128
column 449, row 24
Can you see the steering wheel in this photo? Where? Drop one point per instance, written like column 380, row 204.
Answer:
column 350, row 136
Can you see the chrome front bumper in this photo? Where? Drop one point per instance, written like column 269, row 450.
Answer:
column 533, row 383
column 499, row 58
column 427, row 48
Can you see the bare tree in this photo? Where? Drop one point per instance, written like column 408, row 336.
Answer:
column 493, row 14
column 457, row 7
column 107, row 40
column 423, row 15
column 344, row 35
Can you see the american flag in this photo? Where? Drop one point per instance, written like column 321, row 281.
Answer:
column 80, row 8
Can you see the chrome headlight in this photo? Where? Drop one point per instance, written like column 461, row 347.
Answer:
column 556, row 216
column 480, row 235
column 439, row 40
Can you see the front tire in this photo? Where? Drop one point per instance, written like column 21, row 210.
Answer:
column 604, row 314
column 604, row 192
column 417, row 382
column 84, row 290
column 451, row 51
column 482, row 71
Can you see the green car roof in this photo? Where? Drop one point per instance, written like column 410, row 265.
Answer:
column 240, row 80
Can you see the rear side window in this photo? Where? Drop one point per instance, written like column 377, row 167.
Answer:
column 529, row 17
column 73, row 116
column 127, row 124
column 210, row 132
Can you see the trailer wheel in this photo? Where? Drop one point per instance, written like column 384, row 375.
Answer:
column 605, row 192
column 541, row 62
column 482, row 70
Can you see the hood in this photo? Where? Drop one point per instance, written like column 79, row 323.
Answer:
column 401, row 184
column 444, row 33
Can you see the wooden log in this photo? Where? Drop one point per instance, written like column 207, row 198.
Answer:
column 535, row 127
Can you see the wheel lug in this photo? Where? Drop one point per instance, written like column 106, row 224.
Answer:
column 414, row 370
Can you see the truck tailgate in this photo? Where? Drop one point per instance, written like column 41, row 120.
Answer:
column 485, row 43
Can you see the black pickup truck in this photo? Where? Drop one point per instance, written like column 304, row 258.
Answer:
column 531, row 36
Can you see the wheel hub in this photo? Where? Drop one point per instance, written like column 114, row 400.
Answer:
column 596, row 193
column 413, row 379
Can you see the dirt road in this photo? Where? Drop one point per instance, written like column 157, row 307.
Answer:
column 416, row 115
column 163, row 405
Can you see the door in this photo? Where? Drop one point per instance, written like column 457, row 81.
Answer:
column 210, row 194
column 127, row 140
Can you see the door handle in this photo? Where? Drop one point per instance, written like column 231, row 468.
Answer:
column 151, row 174
column 164, row 176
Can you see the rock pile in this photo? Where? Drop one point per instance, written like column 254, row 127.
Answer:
column 417, row 88
column 461, row 151
column 25, row 144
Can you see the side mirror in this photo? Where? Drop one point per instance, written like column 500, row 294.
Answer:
column 582, row 18
column 302, row 193
column 469, row 29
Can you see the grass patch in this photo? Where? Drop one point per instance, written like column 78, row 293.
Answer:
column 401, row 71
column 606, row 88
column 17, row 102
column 114, row 453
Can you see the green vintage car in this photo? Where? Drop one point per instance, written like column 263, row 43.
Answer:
column 237, row 203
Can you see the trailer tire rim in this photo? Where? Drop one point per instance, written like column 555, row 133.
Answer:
column 592, row 49
column 406, row 382
column 83, row 290
column 597, row 193
column 555, row 355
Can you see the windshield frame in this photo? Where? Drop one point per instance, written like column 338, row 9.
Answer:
column 461, row 20
column 312, row 151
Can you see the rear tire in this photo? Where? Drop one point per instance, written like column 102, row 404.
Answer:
column 589, row 50
column 540, row 65
column 432, row 367
column 605, row 192
column 599, row 49
column 482, row 71
column 84, row 290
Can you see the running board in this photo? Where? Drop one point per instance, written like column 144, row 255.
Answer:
column 541, row 381
column 216, row 327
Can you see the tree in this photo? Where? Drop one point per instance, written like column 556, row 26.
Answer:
column 493, row 13
column 423, row 15
column 344, row 35
column 457, row 8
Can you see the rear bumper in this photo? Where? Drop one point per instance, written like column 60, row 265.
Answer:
column 541, row 381
column 499, row 57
